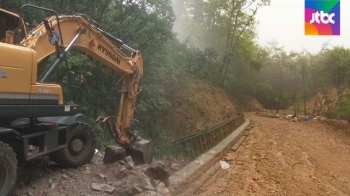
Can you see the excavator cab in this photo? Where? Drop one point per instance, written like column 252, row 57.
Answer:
column 9, row 23
column 21, row 94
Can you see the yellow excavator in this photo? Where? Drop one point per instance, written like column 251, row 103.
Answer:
column 33, row 112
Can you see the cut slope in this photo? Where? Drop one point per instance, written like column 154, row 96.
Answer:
column 195, row 106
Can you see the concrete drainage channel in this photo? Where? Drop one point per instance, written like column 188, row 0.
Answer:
column 189, row 179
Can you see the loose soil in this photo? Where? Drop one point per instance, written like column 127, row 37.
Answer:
column 280, row 157
column 45, row 178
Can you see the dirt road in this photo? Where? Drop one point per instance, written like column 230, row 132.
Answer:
column 286, row 158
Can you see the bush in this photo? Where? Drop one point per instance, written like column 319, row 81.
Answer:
column 342, row 110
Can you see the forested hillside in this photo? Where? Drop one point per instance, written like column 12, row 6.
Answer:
column 183, row 40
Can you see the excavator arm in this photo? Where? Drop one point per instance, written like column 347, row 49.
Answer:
column 60, row 33
column 83, row 35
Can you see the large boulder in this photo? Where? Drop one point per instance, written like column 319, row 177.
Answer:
column 113, row 153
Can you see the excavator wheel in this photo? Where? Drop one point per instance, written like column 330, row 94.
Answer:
column 8, row 169
column 80, row 148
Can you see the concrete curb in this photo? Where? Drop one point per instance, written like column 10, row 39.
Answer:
column 180, row 181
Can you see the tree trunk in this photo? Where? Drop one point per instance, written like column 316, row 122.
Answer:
column 233, row 41
column 228, row 40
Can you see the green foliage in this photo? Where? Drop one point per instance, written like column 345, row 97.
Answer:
column 342, row 110
column 266, row 94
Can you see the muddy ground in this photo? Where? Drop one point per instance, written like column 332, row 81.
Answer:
column 281, row 157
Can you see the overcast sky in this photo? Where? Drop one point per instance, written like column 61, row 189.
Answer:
column 283, row 20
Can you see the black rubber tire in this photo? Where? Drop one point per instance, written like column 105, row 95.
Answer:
column 66, row 157
column 8, row 169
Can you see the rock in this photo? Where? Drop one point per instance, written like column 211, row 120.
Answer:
column 174, row 166
column 136, row 190
column 113, row 153
column 145, row 182
column 120, row 174
column 87, row 172
column 166, row 182
column 126, row 164
column 102, row 187
column 162, row 189
column 96, row 187
column 224, row 165
column 158, row 172
column 53, row 185
column 129, row 160
column 64, row 176
column 30, row 193
column 124, row 191
column 150, row 193
column 102, row 176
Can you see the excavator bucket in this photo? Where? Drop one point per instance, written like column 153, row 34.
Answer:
column 141, row 150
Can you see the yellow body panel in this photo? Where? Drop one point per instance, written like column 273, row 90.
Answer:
column 47, row 91
column 18, row 75
column 15, row 66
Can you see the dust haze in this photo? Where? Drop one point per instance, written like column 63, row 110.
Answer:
column 178, row 28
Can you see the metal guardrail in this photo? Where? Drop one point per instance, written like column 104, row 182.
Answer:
column 190, row 147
